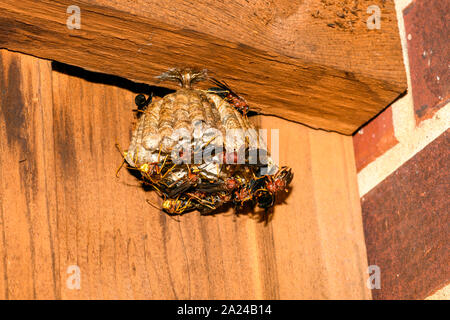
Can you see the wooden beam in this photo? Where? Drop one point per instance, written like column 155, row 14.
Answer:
column 344, row 79
column 327, row 32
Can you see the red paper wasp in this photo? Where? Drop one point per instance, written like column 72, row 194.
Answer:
column 224, row 91
column 267, row 187
column 231, row 183
column 280, row 180
column 142, row 103
column 184, row 184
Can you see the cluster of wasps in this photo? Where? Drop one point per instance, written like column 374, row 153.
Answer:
column 178, row 149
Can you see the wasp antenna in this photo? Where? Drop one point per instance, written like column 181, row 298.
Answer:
column 152, row 204
column 221, row 85
column 123, row 154
column 119, row 148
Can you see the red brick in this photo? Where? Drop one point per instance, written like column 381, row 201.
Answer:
column 427, row 31
column 407, row 225
column 374, row 139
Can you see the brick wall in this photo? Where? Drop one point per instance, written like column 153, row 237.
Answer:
column 402, row 160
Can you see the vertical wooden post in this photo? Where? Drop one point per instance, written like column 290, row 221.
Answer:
column 28, row 251
column 61, row 205
column 318, row 236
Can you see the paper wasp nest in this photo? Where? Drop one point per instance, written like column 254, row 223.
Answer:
column 198, row 151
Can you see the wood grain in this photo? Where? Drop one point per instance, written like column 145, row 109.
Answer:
column 27, row 204
column 317, row 232
column 326, row 32
column 341, row 81
column 64, row 206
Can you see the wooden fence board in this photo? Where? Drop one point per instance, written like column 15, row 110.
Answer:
column 27, row 203
column 64, row 206
column 317, row 234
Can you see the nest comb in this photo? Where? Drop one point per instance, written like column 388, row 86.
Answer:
column 197, row 121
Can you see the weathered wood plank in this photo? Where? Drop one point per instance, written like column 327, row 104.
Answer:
column 326, row 32
column 29, row 255
column 317, row 236
column 337, row 89
column 126, row 248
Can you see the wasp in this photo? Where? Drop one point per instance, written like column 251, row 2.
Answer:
column 267, row 186
column 191, row 180
column 231, row 183
column 155, row 172
column 224, row 91
column 207, row 202
column 263, row 190
column 142, row 103
column 178, row 206
column 241, row 195
column 223, row 197
column 265, row 199
column 280, row 180
column 214, row 201
column 152, row 174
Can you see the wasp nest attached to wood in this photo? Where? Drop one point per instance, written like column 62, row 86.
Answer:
column 198, row 150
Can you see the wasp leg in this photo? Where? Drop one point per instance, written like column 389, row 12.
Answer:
column 181, row 208
column 169, row 170
column 123, row 154
column 152, row 204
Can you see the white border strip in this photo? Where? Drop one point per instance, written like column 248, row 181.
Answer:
column 390, row 161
